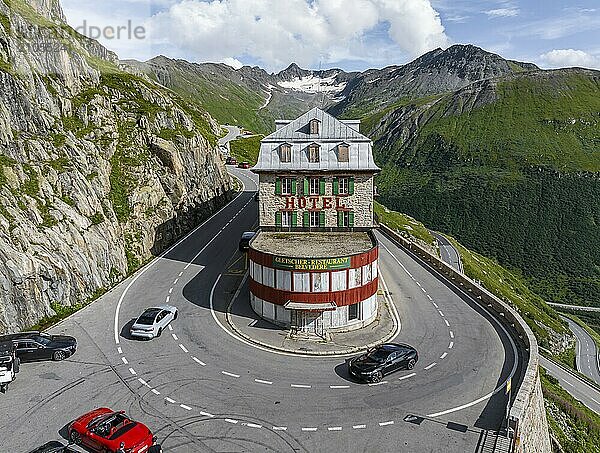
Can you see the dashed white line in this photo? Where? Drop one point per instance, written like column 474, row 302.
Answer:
column 435, row 305
column 198, row 361
column 594, row 400
column 132, row 371
column 279, row 428
column 175, row 281
column 144, row 383
column 174, row 337
column 124, row 360
column 429, row 297
column 407, row 376
column 183, row 348
column 359, row 426
column 567, row 382
column 451, row 345
column 372, row 384
column 170, row 290
column 418, row 284
column 169, row 400
column 253, row 425
column 187, row 408
column 231, row 420
column 309, row 429
column 428, row 367
column 451, row 334
column 339, row 386
column 300, row 386
column 168, row 299
column 206, row 414
column 424, row 290
column 261, row 381
column 391, row 422
column 156, row 392
column 441, row 313
column 119, row 350
column 227, row 373
column 334, row 428
column 443, row 355
column 180, row 274
column 447, row 323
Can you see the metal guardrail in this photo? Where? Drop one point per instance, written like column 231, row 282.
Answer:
column 502, row 312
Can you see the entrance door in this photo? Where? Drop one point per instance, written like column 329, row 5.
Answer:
column 308, row 321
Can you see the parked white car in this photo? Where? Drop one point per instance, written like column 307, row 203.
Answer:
column 153, row 321
column 9, row 364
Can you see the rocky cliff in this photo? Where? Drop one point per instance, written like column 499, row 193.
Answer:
column 99, row 169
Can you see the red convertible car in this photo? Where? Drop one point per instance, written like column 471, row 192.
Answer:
column 104, row 430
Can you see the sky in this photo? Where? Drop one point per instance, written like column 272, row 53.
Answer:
column 353, row 35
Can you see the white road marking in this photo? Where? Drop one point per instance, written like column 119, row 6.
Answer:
column 174, row 337
column 372, row 384
column 451, row 334
column 169, row 400
column 424, row 290
column 447, row 323
column 261, row 381
column 187, row 408
column 334, row 428
column 359, row 426
column 119, row 350
column 441, row 313
column 339, row 386
column 170, row 327
column 198, row 361
column 253, row 323
column 407, row 376
column 428, row 367
column 175, row 281
column 418, row 284
column 435, row 305
column 156, row 392
column 279, row 428
column 227, row 373
column 391, row 422
column 170, row 290
column 132, row 371
column 443, row 355
column 594, row 400
column 309, row 429
column 567, row 382
column 183, row 348
column 253, row 425
column 300, row 386
column 144, row 383
column 180, row 274
column 231, row 420
column 124, row 360
column 206, row 414
column 429, row 297
column 451, row 345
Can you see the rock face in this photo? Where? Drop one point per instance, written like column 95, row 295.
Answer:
column 99, row 169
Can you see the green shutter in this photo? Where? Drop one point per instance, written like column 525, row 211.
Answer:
column 350, row 186
column 278, row 219
column 340, row 218
column 306, row 189
column 278, row 186
column 336, row 186
column 306, row 219
column 351, row 219
column 294, row 186
column 322, row 219
column 322, row 186
column 294, row 219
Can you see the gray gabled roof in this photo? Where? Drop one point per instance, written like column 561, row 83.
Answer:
column 330, row 128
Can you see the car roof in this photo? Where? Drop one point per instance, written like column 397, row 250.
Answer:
column 394, row 346
column 19, row 335
column 248, row 234
column 162, row 307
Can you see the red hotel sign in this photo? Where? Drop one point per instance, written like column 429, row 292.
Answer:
column 314, row 203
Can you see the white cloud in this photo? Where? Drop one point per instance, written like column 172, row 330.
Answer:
column 307, row 32
column 503, row 12
column 233, row 62
column 560, row 58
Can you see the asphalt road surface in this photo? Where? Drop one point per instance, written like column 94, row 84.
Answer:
column 448, row 253
column 586, row 352
column 232, row 133
column 202, row 389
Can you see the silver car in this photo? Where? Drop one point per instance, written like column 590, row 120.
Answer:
column 153, row 321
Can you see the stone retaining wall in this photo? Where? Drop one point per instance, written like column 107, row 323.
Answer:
column 527, row 416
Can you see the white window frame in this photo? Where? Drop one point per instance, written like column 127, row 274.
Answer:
column 343, row 185
column 345, row 219
column 367, row 276
column 286, row 218
column 339, row 280
column 301, row 282
column 320, row 282
column 285, row 153
column 314, row 186
column 314, row 219
column 286, row 186
column 283, row 279
column 314, row 152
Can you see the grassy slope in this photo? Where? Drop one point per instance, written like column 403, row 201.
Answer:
column 246, row 149
column 403, row 223
column 479, row 175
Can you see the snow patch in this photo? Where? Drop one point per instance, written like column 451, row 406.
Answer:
column 312, row 84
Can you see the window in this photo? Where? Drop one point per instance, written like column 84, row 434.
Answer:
column 286, row 186
column 354, row 278
column 343, row 186
column 314, row 218
column 313, row 153
column 302, row 282
column 314, row 126
column 343, row 153
column 320, row 282
column 286, row 218
column 314, row 186
column 352, row 312
column 268, row 277
column 256, row 272
column 285, row 153
column 284, row 280
column 338, row 281
column 367, row 273
column 345, row 219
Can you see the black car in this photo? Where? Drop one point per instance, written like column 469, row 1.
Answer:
column 245, row 240
column 33, row 346
column 256, row 196
column 53, row 447
column 381, row 360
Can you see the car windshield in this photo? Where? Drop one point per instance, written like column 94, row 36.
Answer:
column 378, row 355
column 148, row 317
column 42, row 340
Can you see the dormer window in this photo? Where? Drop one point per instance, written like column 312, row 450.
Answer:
column 285, row 153
column 314, row 127
column 313, row 153
column 343, row 152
